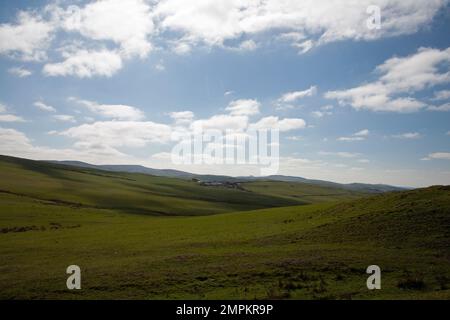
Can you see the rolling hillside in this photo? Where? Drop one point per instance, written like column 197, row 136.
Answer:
column 124, row 192
column 355, row 187
column 316, row 251
column 138, row 193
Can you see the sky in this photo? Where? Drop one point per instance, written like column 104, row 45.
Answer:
column 111, row 81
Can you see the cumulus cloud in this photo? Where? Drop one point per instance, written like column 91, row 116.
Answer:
column 86, row 64
column 273, row 122
column 442, row 108
column 182, row 117
column 126, row 23
column 5, row 117
column 119, row 133
column 10, row 118
column 20, row 72
column 128, row 28
column 64, row 118
column 399, row 76
column 16, row 143
column 442, row 95
column 28, row 38
column 324, row 111
column 248, row 45
column 313, row 22
column 243, row 107
column 115, row 111
column 221, row 122
column 45, row 107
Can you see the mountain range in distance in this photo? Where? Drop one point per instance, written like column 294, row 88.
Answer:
column 171, row 173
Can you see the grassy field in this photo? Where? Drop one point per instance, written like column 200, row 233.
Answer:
column 135, row 244
column 306, row 193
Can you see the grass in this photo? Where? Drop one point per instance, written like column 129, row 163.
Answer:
column 126, row 192
column 307, row 193
column 315, row 251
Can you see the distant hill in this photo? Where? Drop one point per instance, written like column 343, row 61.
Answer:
column 358, row 187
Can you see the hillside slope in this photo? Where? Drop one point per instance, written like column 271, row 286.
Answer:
column 316, row 251
column 134, row 192
column 355, row 187
column 125, row 192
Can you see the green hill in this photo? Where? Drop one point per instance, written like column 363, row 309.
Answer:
column 317, row 251
column 125, row 192
column 304, row 192
column 135, row 192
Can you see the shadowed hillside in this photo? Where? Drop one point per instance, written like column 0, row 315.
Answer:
column 140, row 193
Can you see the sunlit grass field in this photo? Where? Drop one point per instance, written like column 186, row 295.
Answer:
column 161, row 238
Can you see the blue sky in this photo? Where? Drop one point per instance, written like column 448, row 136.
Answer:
column 82, row 81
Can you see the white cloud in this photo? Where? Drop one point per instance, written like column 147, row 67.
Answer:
column 20, row 72
column 8, row 117
column 351, row 139
column 442, row 95
column 221, row 122
column 119, row 133
column 64, row 118
column 362, row 133
column 294, row 138
column 243, row 107
column 128, row 28
column 16, row 143
column 126, row 23
column 304, row 46
column 160, row 66
column 248, row 45
column 44, row 107
column 448, row 133
column 86, row 64
column 321, row 114
column 438, row 156
column 408, row 135
column 180, row 47
column 12, row 140
column 283, row 125
column 27, row 39
column 442, row 108
column 312, row 22
column 357, row 136
column 290, row 97
column 182, row 117
column 324, row 111
column 341, row 154
column 398, row 76
column 118, row 112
